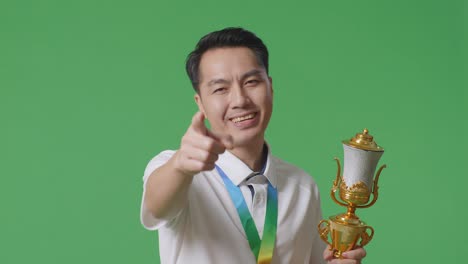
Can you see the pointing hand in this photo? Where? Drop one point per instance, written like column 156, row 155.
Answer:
column 200, row 147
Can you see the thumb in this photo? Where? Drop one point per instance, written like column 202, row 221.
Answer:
column 226, row 140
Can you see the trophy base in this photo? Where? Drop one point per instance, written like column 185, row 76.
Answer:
column 345, row 232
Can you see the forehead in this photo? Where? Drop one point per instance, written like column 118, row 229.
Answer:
column 227, row 63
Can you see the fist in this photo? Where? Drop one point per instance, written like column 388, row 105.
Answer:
column 200, row 148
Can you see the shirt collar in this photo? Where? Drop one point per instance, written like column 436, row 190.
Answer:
column 237, row 171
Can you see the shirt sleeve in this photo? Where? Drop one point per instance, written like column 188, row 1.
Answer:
column 147, row 219
column 318, row 246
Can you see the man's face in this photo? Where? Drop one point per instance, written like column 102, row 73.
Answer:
column 235, row 94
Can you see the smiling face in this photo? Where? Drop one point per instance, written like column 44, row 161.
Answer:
column 235, row 94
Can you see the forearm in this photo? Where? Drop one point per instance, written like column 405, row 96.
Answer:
column 167, row 187
column 167, row 190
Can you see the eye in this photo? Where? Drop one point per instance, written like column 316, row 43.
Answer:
column 252, row 82
column 219, row 90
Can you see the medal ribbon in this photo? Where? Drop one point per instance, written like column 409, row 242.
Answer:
column 262, row 249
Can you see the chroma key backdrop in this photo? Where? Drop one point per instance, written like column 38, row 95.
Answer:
column 90, row 91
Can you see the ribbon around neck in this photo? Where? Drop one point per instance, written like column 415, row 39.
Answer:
column 261, row 249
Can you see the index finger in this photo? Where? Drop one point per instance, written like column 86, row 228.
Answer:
column 357, row 254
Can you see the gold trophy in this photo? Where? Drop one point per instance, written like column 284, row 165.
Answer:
column 361, row 155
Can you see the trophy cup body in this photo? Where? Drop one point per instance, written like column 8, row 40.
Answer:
column 361, row 155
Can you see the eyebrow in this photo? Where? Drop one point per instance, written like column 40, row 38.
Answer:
column 251, row 73
column 217, row 81
column 246, row 75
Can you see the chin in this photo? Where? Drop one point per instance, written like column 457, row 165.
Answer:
column 246, row 140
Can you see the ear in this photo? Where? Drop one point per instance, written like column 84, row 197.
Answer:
column 199, row 102
column 271, row 85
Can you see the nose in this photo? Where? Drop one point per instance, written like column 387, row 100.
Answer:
column 239, row 97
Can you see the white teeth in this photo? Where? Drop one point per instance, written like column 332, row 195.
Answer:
column 242, row 118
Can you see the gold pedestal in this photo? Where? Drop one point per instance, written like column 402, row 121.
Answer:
column 345, row 233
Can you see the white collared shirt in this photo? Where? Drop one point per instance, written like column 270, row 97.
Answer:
column 208, row 228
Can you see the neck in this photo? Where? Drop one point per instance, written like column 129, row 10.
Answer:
column 252, row 154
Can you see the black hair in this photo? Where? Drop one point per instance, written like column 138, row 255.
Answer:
column 228, row 37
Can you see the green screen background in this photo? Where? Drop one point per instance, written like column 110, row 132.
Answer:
column 90, row 91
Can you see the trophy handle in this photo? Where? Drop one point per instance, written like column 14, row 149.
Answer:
column 366, row 238
column 336, row 183
column 324, row 230
column 375, row 189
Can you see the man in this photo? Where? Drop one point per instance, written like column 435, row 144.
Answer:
column 223, row 197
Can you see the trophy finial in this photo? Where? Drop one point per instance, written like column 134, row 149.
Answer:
column 363, row 141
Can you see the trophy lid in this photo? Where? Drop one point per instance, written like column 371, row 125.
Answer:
column 363, row 141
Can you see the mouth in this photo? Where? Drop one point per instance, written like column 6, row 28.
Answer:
column 239, row 119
